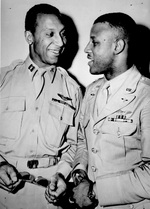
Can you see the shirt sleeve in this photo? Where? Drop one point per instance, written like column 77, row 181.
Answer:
column 81, row 158
column 67, row 158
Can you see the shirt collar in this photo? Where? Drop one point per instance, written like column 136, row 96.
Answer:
column 33, row 68
column 116, row 82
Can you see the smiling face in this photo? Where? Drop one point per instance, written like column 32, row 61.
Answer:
column 100, row 49
column 48, row 41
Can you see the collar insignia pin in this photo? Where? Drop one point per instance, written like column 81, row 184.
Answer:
column 31, row 67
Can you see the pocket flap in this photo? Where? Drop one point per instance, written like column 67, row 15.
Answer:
column 62, row 112
column 13, row 104
column 125, row 129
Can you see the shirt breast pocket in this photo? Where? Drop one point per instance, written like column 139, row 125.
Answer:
column 11, row 115
column 62, row 112
column 120, row 129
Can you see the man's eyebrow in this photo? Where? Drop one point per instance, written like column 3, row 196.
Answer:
column 92, row 37
column 53, row 29
column 50, row 28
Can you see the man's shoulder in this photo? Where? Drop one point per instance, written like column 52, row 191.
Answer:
column 12, row 66
column 145, row 85
column 7, row 71
column 68, row 77
column 94, row 84
column 145, row 81
column 92, row 88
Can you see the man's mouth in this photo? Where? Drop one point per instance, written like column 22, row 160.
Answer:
column 56, row 52
column 90, row 63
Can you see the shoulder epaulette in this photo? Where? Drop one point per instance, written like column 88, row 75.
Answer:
column 62, row 70
column 145, row 80
column 12, row 66
column 8, row 69
column 15, row 63
column 94, row 83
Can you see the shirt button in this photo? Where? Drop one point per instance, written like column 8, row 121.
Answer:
column 93, row 168
column 96, row 131
column 36, row 108
column 94, row 150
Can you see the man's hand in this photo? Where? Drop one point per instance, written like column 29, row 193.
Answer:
column 56, row 189
column 83, row 193
column 8, row 177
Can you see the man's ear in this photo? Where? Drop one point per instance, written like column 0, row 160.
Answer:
column 29, row 37
column 119, row 46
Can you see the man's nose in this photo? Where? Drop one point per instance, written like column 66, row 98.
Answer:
column 59, row 40
column 87, row 48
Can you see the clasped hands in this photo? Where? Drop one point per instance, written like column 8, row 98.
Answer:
column 82, row 194
column 12, row 181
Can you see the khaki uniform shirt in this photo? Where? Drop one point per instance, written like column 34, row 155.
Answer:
column 36, row 128
column 117, row 142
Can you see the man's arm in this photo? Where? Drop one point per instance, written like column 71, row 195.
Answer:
column 67, row 158
column 83, row 192
column 57, row 187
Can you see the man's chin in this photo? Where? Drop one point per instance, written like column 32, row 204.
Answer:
column 53, row 60
column 93, row 70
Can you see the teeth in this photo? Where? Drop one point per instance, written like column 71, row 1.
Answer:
column 55, row 52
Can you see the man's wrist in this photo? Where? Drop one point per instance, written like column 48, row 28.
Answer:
column 94, row 189
column 92, row 193
column 60, row 175
column 79, row 172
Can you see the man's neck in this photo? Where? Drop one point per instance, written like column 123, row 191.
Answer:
column 42, row 65
column 116, row 71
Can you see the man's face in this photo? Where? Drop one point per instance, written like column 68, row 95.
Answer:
column 48, row 40
column 100, row 49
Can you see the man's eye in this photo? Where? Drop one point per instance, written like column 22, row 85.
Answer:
column 94, row 43
column 51, row 34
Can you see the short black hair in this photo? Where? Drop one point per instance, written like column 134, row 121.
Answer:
column 122, row 22
column 33, row 12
